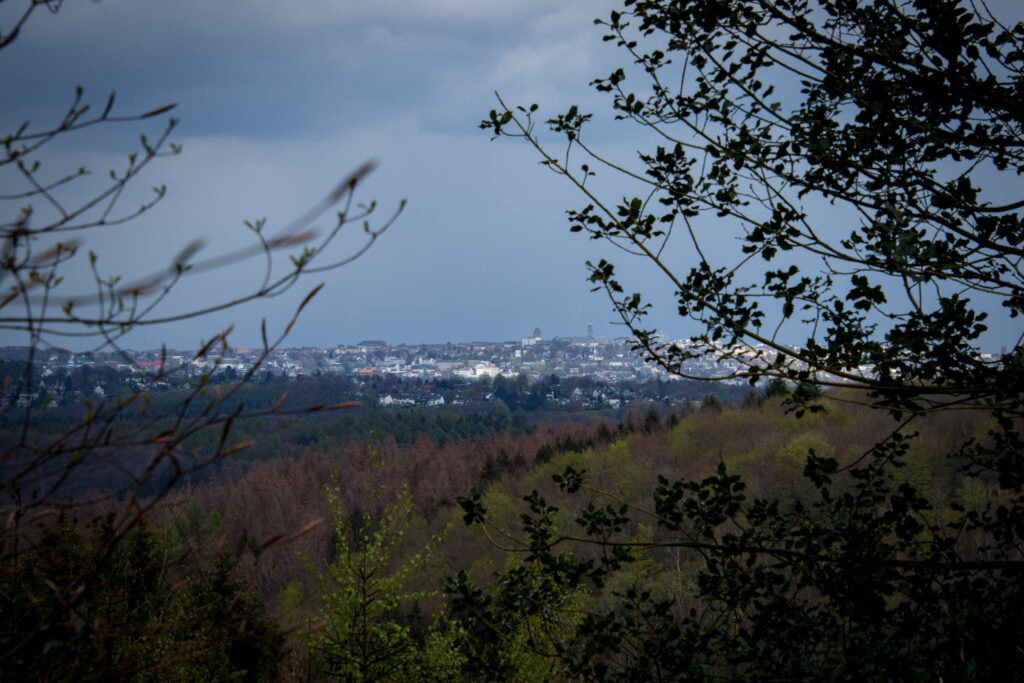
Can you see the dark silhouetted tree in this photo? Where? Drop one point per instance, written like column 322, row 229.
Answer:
column 867, row 157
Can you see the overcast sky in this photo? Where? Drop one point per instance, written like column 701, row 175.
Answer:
column 280, row 100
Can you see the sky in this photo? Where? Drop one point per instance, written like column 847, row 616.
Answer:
column 279, row 101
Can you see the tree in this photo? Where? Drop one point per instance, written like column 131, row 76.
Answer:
column 184, row 624
column 514, row 636
column 123, row 451
column 865, row 155
column 356, row 636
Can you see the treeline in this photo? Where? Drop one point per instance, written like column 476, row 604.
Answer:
column 288, row 436
column 226, row 567
column 544, row 398
column 756, row 439
column 279, row 435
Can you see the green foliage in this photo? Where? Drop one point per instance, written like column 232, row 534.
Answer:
column 289, row 599
column 500, row 466
column 441, row 657
column 191, row 526
column 840, row 576
column 73, row 611
column 797, row 449
column 869, row 162
column 355, row 636
column 517, row 632
column 216, row 628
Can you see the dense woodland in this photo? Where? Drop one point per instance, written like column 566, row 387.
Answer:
column 515, row 406
column 215, row 535
column 857, row 514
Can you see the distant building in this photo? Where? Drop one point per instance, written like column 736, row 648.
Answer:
column 530, row 341
column 487, row 368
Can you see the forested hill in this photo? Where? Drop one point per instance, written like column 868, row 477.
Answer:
column 758, row 440
column 474, row 410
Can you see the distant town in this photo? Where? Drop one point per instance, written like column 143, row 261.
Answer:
column 65, row 377
column 62, row 377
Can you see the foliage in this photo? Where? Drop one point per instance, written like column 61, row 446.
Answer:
column 356, row 635
column 516, row 631
column 141, row 619
column 217, row 628
column 875, row 132
column 865, row 152
column 50, row 214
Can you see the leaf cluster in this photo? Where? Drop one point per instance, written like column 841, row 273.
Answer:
column 864, row 154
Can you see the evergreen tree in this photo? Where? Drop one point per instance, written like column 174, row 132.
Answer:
column 356, row 635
